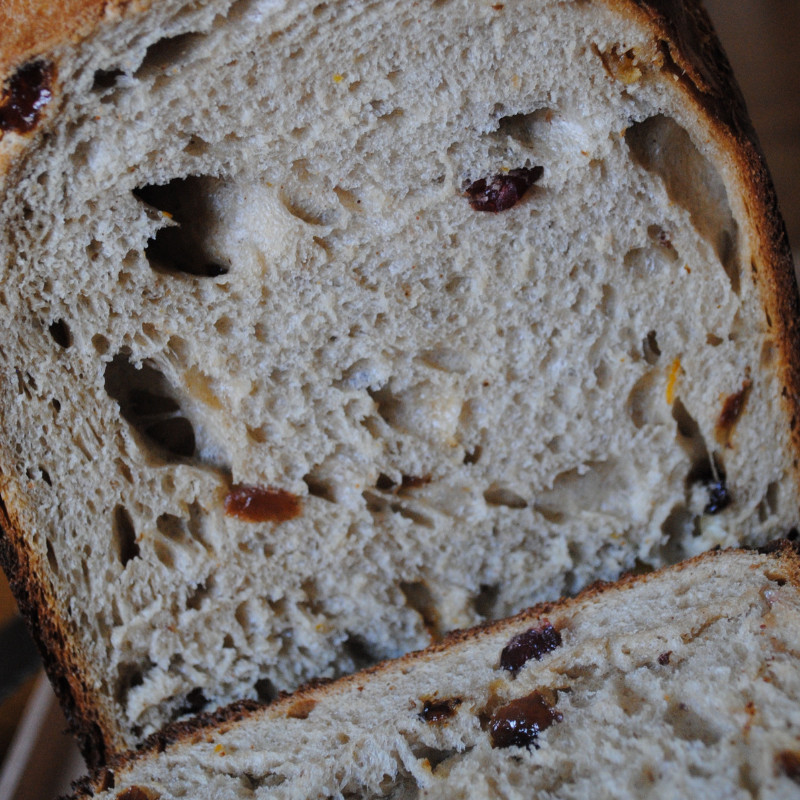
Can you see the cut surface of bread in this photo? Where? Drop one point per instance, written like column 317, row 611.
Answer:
column 683, row 683
column 330, row 327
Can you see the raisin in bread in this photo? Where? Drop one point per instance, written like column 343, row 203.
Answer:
column 330, row 327
column 682, row 683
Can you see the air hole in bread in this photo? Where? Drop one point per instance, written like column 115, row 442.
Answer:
column 473, row 456
column 553, row 515
column 123, row 535
column 167, row 52
column 602, row 374
column 61, row 333
column 358, row 651
column 608, row 301
column 650, row 348
column 420, row 598
column 265, row 690
column 692, row 441
column 194, row 702
column 412, row 514
column 503, row 496
column 485, row 601
column 146, row 403
column 319, row 487
column 642, row 397
column 201, row 592
column 663, row 240
column 769, row 504
column 434, row 756
column 185, row 242
column 129, row 676
column 691, row 726
column 105, row 79
column 51, row 558
column 661, row 146
column 196, row 146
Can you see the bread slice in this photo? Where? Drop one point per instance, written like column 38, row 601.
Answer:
column 682, row 683
column 330, row 327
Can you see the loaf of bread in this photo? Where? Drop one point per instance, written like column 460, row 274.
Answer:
column 678, row 684
column 330, row 327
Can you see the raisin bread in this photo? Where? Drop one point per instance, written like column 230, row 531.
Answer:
column 329, row 327
column 678, row 684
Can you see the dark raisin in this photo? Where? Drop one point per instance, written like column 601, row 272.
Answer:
column 719, row 497
column 26, row 93
column 663, row 659
column 533, row 643
column 502, row 191
column 259, row 504
column 434, row 710
column 520, row 722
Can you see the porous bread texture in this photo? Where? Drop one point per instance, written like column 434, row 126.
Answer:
column 681, row 684
column 475, row 410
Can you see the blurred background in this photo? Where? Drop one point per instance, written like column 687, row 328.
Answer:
column 761, row 39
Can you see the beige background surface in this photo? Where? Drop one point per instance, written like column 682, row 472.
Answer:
column 762, row 38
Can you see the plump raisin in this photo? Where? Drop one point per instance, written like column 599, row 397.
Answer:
column 259, row 504
column 519, row 723
column 26, row 93
column 533, row 643
column 663, row 659
column 434, row 711
column 719, row 497
column 502, row 191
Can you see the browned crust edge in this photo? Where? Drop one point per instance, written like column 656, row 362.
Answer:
column 34, row 27
column 682, row 29
column 63, row 667
column 785, row 553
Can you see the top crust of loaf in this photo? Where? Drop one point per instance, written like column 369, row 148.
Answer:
column 691, row 52
column 785, row 554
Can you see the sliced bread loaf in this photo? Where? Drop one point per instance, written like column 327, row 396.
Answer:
column 678, row 684
column 330, row 327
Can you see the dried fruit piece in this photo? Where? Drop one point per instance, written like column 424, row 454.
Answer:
column 502, row 191
column 260, row 504
column 663, row 659
column 732, row 409
column 533, row 643
column 520, row 722
column 719, row 497
column 434, row 711
column 301, row 708
column 27, row 92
